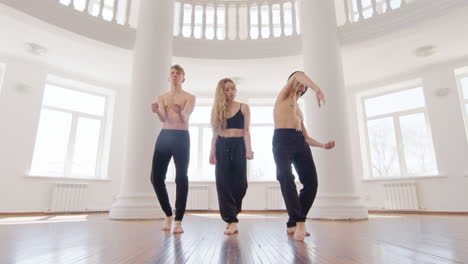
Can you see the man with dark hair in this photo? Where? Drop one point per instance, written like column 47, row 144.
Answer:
column 173, row 110
column 291, row 146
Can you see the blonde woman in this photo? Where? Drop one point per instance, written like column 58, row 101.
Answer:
column 230, row 149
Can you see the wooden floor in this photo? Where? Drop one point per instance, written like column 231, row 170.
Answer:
column 393, row 239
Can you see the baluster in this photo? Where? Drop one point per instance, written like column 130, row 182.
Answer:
column 259, row 19
column 226, row 26
column 270, row 18
column 347, row 15
column 282, row 19
column 86, row 8
column 293, row 14
column 359, row 8
column 374, row 8
column 181, row 18
column 389, row 6
column 127, row 15
column 114, row 11
column 203, row 35
column 249, row 27
column 192, row 22
column 237, row 22
column 101, row 8
column 215, row 21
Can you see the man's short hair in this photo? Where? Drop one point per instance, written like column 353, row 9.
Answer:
column 304, row 86
column 178, row 68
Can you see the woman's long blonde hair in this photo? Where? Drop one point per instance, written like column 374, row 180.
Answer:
column 218, row 114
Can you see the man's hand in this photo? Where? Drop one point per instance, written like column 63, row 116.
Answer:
column 177, row 108
column 329, row 145
column 155, row 108
column 320, row 97
column 249, row 155
column 213, row 160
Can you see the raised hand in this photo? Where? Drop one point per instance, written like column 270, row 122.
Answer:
column 329, row 145
column 320, row 97
column 155, row 107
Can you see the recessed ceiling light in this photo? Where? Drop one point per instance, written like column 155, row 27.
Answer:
column 35, row 48
column 425, row 51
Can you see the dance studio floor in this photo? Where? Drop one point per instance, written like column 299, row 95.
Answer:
column 93, row 238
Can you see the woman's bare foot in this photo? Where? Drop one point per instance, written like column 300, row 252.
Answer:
column 232, row 229
column 292, row 230
column 300, row 232
column 178, row 228
column 167, row 224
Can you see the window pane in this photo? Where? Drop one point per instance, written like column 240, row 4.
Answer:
column 86, row 147
column 261, row 115
column 265, row 17
column 287, row 9
column 201, row 115
column 276, row 20
column 417, row 143
column 187, row 20
column 51, row 143
column 177, row 7
column 208, row 171
column 395, row 102
column 197, row 31
column 209, row 31
column 74, row 100
column 262, row 167
column 221, row 21
column 383, row 149
column 465, row 88
column 254, row 31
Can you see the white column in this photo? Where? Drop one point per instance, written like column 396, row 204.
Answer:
column 151, row 63
column 336, row 197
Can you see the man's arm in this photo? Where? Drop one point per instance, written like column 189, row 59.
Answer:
column 302, row 78
column 314, row 143
column 159, row 109
column 185, row 112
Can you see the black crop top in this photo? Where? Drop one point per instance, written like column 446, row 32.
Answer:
column 237, row 121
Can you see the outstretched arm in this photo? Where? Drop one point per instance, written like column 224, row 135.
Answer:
column 314, row 143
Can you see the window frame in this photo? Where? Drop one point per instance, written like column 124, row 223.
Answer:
column 463, row 101
column 102, row 159
column 367, row 157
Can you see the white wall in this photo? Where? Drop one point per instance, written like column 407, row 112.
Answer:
column 444, row 193
column 20, row 104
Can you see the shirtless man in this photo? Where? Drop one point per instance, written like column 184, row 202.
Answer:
column 291, row 146
column 173, row 110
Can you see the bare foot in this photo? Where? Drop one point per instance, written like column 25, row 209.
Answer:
column 300, row 233
column 167, row 224
column 292, row 230
column 232, row 229
column 178, row 228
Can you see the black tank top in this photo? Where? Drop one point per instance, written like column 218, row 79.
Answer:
column 237, row 121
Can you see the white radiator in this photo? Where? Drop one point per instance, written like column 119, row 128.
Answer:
column 274, row 197
column 197, row 197
column 68, row 197
column 401, row 195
